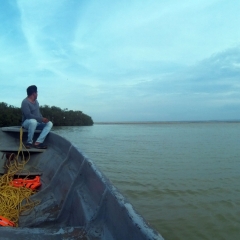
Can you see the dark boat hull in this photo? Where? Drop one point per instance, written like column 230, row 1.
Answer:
column 77, row 200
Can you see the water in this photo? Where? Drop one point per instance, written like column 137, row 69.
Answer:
column 183, row 178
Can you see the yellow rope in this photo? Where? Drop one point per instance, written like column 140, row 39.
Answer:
column 11, row 198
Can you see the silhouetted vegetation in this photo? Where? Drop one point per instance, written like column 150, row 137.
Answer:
column 9, row 115
column 12, row 116
column 65, row 117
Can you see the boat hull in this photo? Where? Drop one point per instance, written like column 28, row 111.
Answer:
column 76, row 199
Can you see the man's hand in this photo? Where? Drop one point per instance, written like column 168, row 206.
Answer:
column 45, row 120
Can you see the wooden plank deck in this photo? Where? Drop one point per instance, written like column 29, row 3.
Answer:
column 16, row 129
column 14, row 149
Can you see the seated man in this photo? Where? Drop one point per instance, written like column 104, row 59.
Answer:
column 32, row 119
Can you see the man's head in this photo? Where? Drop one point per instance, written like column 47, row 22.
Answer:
column 32, row 91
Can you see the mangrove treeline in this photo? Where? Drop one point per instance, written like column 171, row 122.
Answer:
column 12, row 116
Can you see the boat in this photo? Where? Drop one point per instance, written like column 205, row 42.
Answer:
column 76, row 200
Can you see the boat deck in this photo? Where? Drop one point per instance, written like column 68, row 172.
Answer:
column 10, row 145
column 16, row 129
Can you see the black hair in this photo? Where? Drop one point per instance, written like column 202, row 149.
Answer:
column 31, row 89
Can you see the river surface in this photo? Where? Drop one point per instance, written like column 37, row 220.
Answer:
column 184, row 178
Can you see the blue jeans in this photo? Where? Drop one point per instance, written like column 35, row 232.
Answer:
column 31, row 125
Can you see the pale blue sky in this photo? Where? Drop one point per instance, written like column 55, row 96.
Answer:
column 149, row 60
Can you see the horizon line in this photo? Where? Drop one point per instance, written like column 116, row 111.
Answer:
column 171, row 121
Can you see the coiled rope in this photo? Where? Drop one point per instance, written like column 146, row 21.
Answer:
column 15, row 200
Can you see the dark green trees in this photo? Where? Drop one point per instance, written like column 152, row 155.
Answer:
column 11, row 116
column 65, row 117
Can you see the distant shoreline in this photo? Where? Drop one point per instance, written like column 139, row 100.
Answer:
column 169, row 122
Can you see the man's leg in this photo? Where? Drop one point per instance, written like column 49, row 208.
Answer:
column 45, row 127
column 30, row 125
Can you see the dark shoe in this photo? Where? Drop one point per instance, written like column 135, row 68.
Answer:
column 28, row 145
column 40, row 146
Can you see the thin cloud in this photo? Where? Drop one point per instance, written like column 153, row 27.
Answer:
column 153, row 61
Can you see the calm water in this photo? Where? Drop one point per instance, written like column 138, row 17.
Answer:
column 184, row 178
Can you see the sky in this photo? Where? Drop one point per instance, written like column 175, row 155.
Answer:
column 128, row 60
